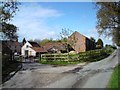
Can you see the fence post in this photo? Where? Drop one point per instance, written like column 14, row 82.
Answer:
column 39, row 56
column 78, row 57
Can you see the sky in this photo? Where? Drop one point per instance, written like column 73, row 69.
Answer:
column 40, row 20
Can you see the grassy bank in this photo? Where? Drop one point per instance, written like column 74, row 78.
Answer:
column 115, row 79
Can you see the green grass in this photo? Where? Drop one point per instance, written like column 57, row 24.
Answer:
column 58, row 63
column 115, row 79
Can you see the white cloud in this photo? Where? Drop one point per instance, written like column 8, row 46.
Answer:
column 32, row 21
column 43, row 13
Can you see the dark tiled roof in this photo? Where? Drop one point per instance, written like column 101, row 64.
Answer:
column 39, row 49
column 5, row 48
column 12, row 43
column 56, row 45
column 34, row 44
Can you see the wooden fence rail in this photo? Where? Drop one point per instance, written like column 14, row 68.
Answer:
column 83, row 56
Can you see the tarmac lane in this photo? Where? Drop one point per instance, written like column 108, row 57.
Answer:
column 91, row 75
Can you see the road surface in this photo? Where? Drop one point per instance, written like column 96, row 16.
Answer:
column 92, row 75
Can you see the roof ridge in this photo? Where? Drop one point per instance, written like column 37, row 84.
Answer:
column 80, row 34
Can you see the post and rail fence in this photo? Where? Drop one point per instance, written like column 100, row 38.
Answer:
column 82, row 56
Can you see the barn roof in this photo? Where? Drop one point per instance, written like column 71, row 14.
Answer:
column 39, row 49
column 34, row 44
column 57, row 45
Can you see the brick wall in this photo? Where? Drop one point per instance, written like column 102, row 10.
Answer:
column 80, row 43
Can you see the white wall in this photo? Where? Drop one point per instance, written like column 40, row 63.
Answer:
column 33, row 53
column 24, row 47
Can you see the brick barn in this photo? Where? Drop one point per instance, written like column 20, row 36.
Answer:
column 80, row 43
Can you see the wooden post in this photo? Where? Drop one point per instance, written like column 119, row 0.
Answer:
column 39, row 56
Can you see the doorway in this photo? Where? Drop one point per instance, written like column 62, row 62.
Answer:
column 26, row 53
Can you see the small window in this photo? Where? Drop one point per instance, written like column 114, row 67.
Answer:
column 30, row 52
column 27, row 46
column 15, row 50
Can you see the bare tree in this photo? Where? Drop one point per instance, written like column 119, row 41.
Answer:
column 65, row 34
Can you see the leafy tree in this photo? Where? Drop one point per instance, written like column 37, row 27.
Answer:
column 110, row 46
column 99, row 44
column 9, row 31
column 31, row 40
column 44, row 41
column 92, row 38
column 7, row 10
column 108, row 16
column 37, row 40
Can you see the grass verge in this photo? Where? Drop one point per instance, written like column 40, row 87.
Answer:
column 59, row 63
column 115, row 79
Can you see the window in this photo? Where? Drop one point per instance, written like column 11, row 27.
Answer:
column 26, row 52
column 15, row 50
column 27, row 46
column 30, row 52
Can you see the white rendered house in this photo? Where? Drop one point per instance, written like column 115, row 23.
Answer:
column 31, row 49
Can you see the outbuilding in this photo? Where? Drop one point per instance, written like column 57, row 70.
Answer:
column 31, row 48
